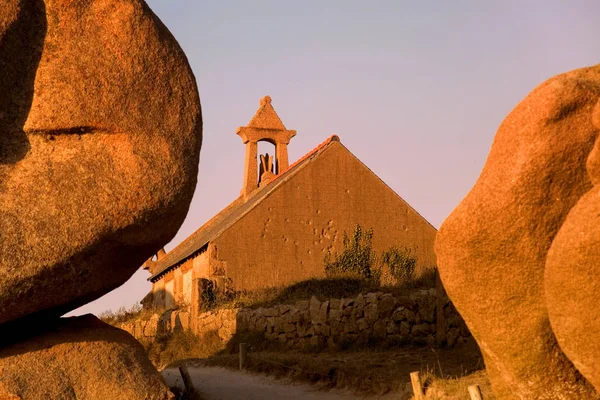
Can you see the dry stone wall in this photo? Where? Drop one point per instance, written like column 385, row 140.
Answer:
column 374, row 317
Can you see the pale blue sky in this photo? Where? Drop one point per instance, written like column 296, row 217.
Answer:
column 416, row 90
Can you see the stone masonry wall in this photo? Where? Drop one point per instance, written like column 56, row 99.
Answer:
column 383, row 317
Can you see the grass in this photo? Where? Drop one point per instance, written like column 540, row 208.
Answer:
column 124, row 315
column 372, row 372
column 179, row 346
column 323, row 289
column 456, row 388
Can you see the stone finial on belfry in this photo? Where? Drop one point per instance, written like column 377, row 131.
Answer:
column 264, row 126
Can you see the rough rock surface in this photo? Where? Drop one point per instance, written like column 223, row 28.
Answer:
column 492, row 249
column 79, row 358
column 571, row 276
column 100, row 133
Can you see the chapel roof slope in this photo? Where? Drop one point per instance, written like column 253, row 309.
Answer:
column 231, row 214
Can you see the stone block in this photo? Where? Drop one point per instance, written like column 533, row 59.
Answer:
column 464, row 330
column 243, row 321
column 310, row 331
column 449, row 310
column 315, row 308
column 335, row 315
column 270, row 324
column 426, row 308
column 226, row 333
column 269, row 312
column 279, row 325
column 371, row 312
column 284, row 309
column 335, row 304
column 393, row 328
column 261, row 324
column 386, row 305
column 350, row 327
column 357, row 312
column 398, row 314
column 294, row 316
column 430, row 340
column 371, row 298
column 421, row 330
column 405, row 328
column 323, row 311
column 380, row 328
column 337, row 328
column 362, row 324
column 410, row 316
column 360, row 300
column 302, row 305
column 452, row 336
column 453, row 321
column 347, row 311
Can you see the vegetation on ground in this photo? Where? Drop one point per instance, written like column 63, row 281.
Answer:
column 375, row 372
column 457, row 387
column 370, row 369
column 333, row 287
column 178, row 346
column 136, row 312
column 123, row 315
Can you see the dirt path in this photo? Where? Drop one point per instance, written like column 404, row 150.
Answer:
column 222, row 384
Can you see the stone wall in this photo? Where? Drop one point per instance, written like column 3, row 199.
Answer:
column 380, row 317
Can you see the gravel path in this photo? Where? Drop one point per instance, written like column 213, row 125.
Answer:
column 222, row 384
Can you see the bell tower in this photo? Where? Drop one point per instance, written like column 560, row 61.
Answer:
column 264, row 126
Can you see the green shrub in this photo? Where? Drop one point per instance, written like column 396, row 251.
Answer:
column 400, row 263
column 357, row 258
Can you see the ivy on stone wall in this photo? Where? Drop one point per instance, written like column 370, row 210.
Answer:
column 358, row 258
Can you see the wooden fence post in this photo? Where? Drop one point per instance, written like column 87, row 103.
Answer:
column 417, row 387
column 475, row 392
column 243, row 355
column 190, row 390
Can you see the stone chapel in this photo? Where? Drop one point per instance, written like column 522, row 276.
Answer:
column 286, row 219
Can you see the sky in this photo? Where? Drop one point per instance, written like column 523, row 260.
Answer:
column 416, row 90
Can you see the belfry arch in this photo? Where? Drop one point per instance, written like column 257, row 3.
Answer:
column 265, row 126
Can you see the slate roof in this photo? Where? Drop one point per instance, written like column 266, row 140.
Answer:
column 198, row 241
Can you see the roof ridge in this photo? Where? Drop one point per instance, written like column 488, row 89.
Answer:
column 332, row 138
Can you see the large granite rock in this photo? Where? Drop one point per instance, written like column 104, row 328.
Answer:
column 492, row 250
column 79, row 358
column 572, row 280
column 100, row 133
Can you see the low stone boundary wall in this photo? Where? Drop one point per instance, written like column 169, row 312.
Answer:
column 381, row 317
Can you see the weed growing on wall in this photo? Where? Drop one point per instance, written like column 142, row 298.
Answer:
column 357, row 258
column 400, row 262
